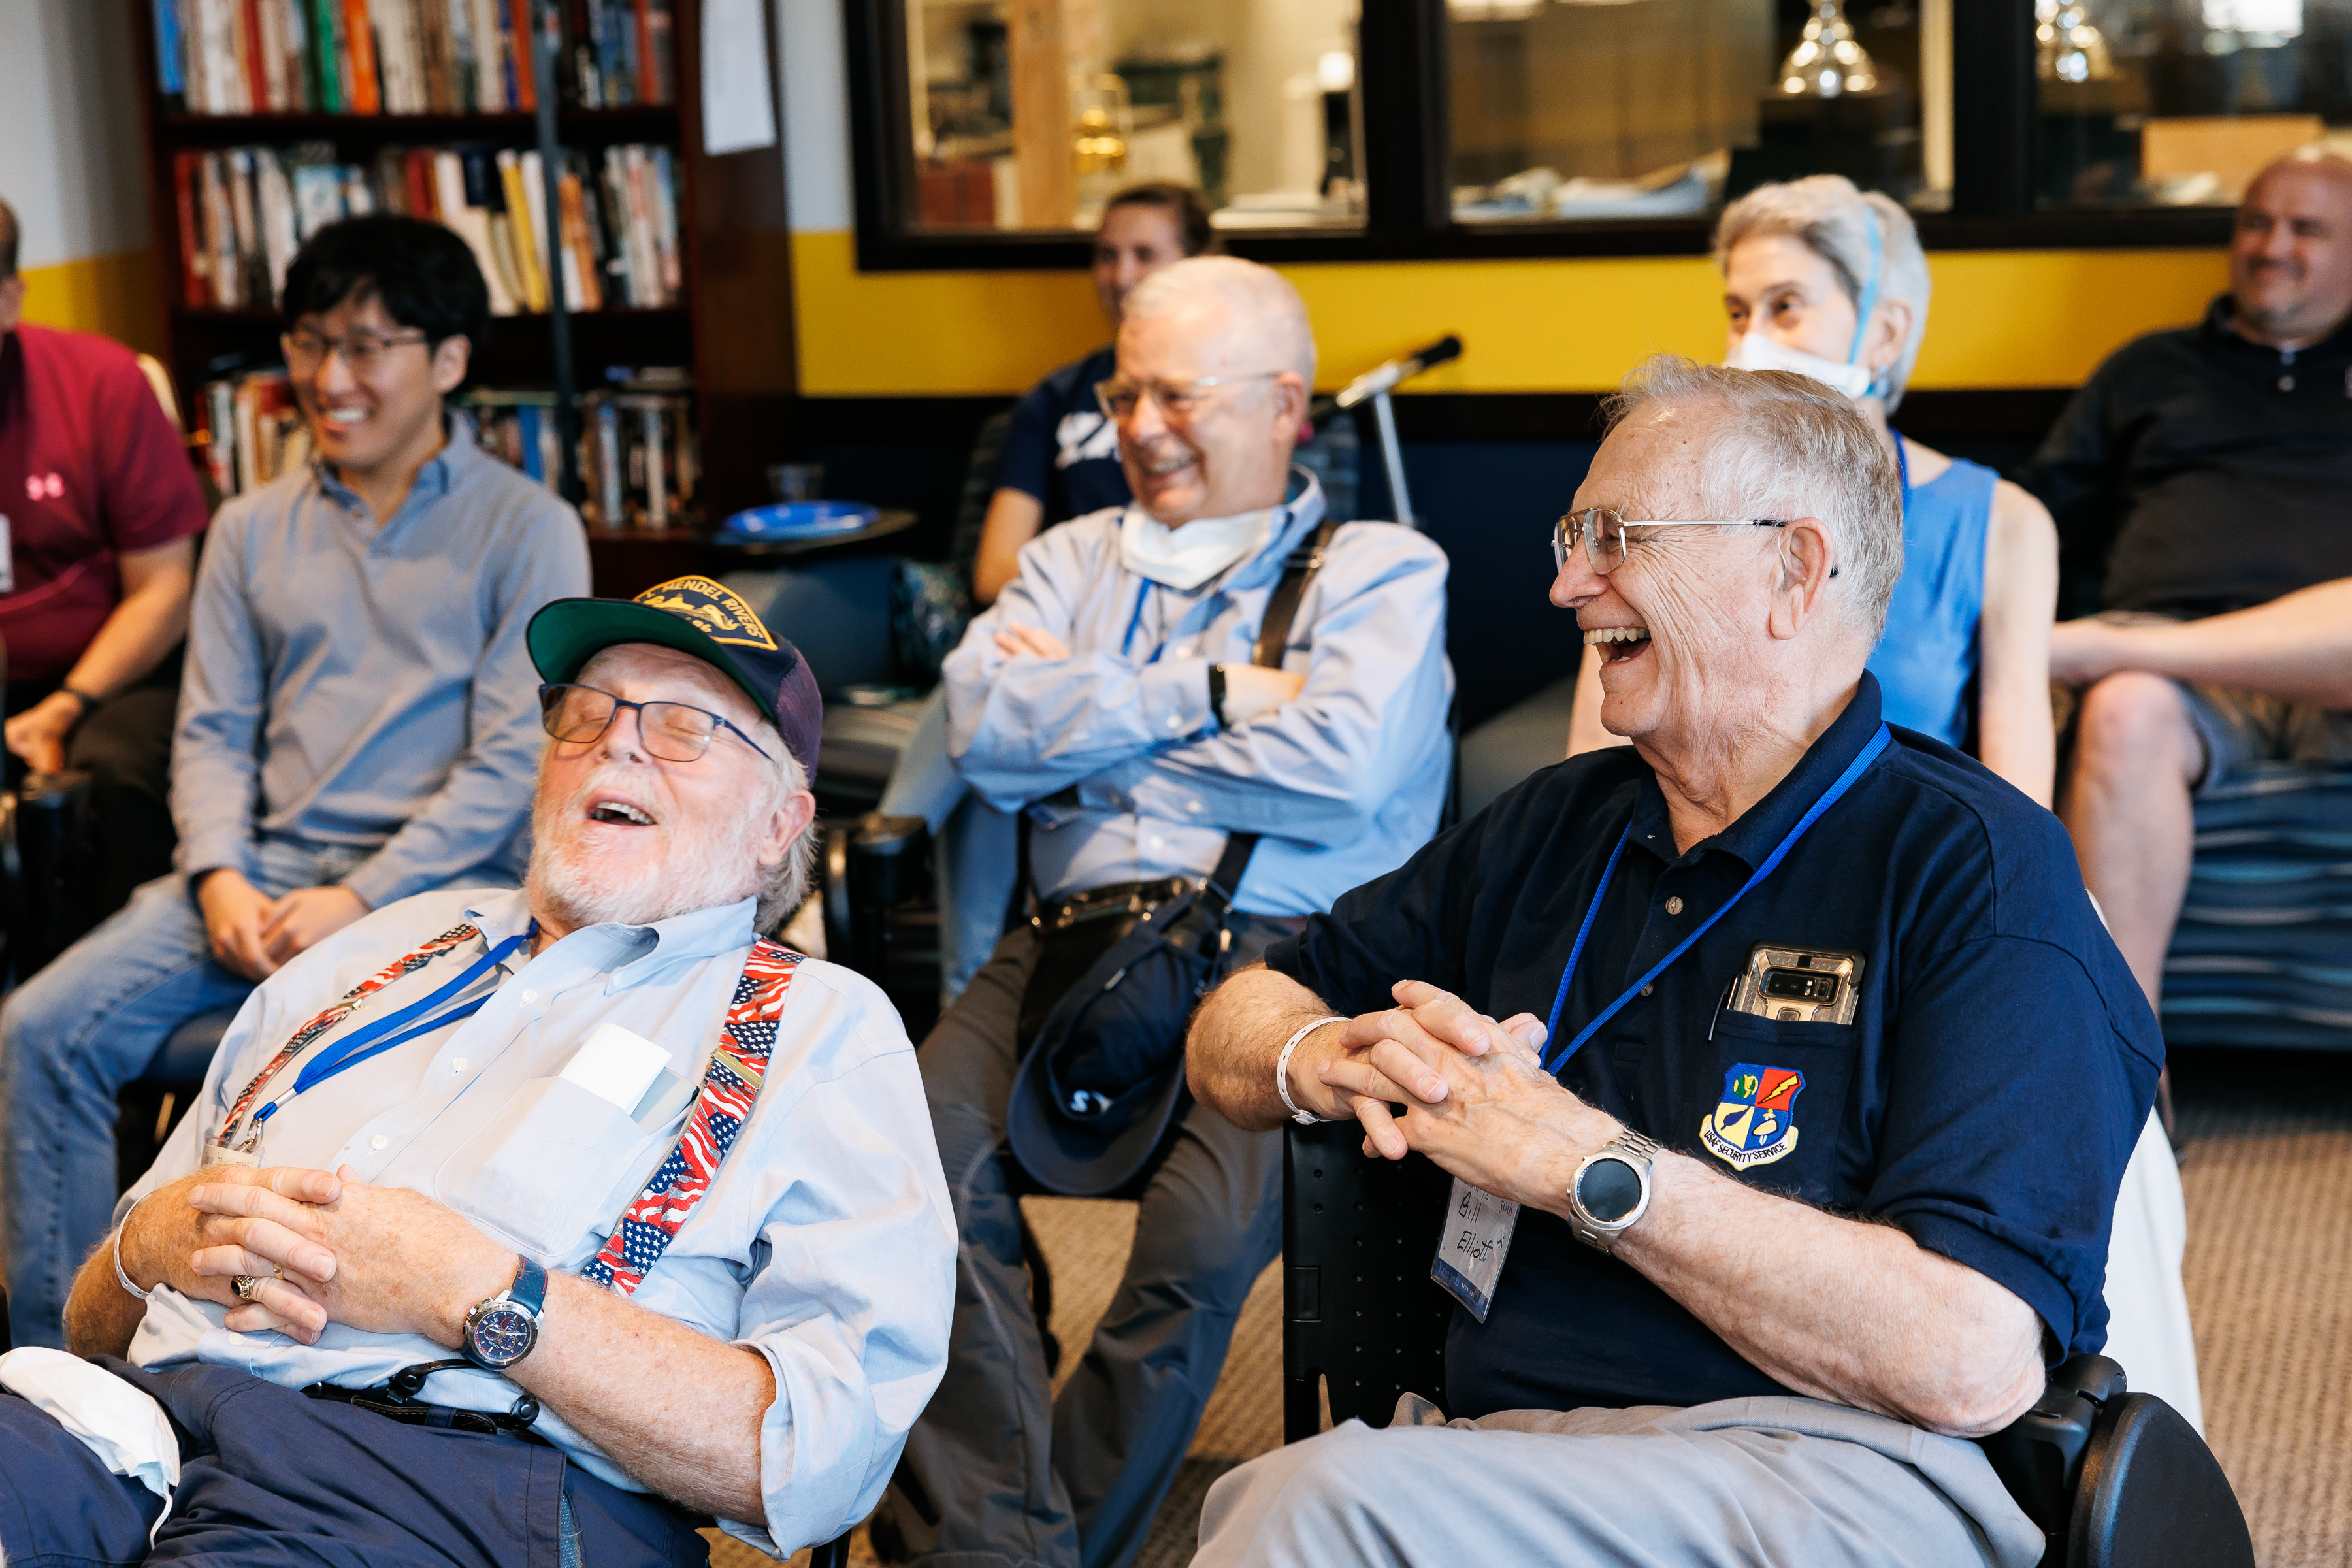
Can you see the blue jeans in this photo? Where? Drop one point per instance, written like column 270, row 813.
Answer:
column 976, row 855
column 72, row 1036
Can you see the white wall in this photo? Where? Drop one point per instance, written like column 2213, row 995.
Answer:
column 69, row 155
column 816, row 113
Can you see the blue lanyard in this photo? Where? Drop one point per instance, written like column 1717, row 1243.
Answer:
column 370, row 1039
column 1553, row 1064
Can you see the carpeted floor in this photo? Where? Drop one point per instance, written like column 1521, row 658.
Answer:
column 2268, row 1174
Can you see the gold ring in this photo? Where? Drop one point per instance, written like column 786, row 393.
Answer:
column 245, row 1285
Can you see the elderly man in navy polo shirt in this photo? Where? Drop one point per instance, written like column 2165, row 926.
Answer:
column 1815, row 1079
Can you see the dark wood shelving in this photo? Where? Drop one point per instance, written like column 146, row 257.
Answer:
column 733, row 333
column 636, row 122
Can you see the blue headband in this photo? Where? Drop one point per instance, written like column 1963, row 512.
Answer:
column 1869, row 301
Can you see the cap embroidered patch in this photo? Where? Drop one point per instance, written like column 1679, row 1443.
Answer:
column 1754, row 1122
column 721, row 614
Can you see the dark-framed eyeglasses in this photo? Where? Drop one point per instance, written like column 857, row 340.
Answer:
column 1178, row 401
column 363, row 352
column 672, row 731
column 1602, row 531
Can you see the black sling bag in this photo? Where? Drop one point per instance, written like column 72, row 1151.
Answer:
column 1104, row 1074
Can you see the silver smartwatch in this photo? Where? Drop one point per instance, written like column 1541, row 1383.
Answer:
column 1611, row 1190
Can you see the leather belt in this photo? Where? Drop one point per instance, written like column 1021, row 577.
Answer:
column 1117, row 898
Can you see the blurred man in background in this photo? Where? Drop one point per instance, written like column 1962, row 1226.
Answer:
column 99, row 513
column 2208, row 467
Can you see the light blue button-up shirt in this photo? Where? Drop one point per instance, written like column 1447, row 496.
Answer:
column 1345, row 781
column 827, row 1243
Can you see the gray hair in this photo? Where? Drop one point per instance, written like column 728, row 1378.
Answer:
column 1836, row 222
column 784, row 886
column 1784, row 445
column 1255, row 294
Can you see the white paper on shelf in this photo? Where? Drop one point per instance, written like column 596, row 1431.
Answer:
column 739, row 102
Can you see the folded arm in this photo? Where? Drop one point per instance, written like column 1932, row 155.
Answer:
column 2297, row 648
column 1843, row 1310
column 2021, row 592
column 1318, row 767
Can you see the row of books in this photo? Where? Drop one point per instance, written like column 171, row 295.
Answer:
column 244, row 211
column 638, row 457
column 406, row 56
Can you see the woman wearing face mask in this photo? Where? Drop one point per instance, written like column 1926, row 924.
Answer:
column 1824, row 281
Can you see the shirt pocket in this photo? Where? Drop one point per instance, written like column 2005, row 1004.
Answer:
column 1766, row 1101
column 554, row 1160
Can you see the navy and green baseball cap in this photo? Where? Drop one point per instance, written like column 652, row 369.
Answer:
column 698, row 617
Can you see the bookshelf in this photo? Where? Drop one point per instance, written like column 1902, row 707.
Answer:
column 730, row 328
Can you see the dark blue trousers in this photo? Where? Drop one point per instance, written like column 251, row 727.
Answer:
column 268, row 1476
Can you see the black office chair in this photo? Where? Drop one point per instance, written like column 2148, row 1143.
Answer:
column 2114, row 1479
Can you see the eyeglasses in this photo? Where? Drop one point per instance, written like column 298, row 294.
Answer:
column 1603, row 533
column 1178, row 401
column 672, row 731
column 363, row 352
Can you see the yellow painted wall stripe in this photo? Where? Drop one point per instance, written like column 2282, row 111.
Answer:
column 113, row 295
column 2000, row 319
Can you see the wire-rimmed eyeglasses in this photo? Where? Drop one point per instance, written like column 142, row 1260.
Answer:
column 1178, row 401
column 672, row 731
column 1602, row 531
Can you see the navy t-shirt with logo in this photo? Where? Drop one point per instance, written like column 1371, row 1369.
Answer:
column 1061, row 449
column 1985, row 1099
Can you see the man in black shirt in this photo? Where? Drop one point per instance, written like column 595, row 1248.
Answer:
column 1061, row 456
column 2212, row 466
column 1841, row 975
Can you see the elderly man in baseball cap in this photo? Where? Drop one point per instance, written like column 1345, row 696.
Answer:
column 591, row 1169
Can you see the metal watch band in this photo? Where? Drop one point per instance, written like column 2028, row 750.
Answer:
column 1633, row 1149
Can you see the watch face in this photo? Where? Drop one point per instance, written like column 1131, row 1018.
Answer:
column 1608, row 1189
column 503, row 1335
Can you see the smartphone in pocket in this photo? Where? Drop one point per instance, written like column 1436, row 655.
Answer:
column 1800, row 984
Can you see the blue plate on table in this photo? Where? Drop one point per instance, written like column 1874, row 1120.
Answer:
column 795, row 521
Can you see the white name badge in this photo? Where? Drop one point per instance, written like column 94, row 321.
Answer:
column 1477, row 1238
column 218, row 1155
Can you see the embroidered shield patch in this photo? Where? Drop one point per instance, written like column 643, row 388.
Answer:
column 1754, row 1122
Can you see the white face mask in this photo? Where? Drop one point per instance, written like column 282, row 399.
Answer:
column 1184, row 558
column 1756, row 350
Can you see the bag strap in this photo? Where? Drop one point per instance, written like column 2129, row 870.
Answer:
column 1273, row 637
column 1282, row 606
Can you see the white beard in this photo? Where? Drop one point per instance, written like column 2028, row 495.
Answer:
column 714, row 864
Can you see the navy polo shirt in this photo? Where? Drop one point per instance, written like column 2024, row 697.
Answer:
column 1061, row 449
column 1985, row 1099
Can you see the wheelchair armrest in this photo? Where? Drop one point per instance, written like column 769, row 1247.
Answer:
column 2039, row 1456
column 883, row 861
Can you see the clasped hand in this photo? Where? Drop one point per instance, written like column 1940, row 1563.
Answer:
column 323, row 1248
column 1435, row 1075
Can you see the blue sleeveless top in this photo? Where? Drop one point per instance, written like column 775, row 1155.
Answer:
column 1926, row 660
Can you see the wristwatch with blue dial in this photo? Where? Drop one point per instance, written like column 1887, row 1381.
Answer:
column 501, row 1330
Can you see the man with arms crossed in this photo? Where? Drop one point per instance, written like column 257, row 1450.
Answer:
column 1774, row 1259
column 2218, row 461
column 355, row 717
column 596, row 1165
column 1090, row 698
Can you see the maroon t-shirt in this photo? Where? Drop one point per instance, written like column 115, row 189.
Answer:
column 89, row 468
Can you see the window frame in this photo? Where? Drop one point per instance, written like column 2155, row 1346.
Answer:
column 1401, row 73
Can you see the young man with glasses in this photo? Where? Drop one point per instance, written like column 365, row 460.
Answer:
column 1215, row 683
column 356, row 724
